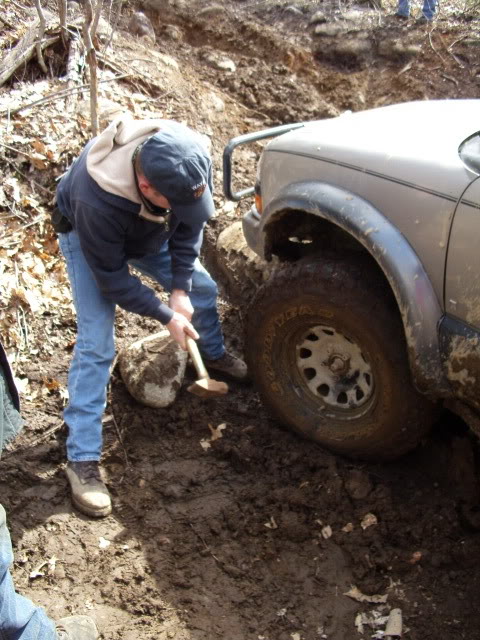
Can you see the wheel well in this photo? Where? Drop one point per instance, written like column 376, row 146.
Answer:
column 295, row 235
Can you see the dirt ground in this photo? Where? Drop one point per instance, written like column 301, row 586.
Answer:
column 257, row 534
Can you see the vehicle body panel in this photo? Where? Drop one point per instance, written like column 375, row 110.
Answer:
column 424, row 219
column 462, row 284
column 411, row 141
column 413, row 174
column 460, row 348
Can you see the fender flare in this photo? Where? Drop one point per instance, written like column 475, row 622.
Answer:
column 394, row 255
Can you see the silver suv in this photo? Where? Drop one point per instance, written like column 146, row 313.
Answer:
column 373, row 316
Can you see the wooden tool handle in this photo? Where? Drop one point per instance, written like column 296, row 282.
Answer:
column 196, row 358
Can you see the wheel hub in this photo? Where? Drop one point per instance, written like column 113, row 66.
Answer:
column 338, row 364
column 334, row 368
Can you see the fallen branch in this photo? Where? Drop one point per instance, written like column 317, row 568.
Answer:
column 207, row 548
column 10, row 25
column 22, row 54
column 454, row 80
column 122, row 445
column 455, row 57
column 450, row 47
column 13, row 241
column 59, row 95
column 433, row 48
column 28, row 44
column 20, row 6
column 11, row 449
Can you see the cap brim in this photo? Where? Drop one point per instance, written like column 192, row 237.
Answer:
column 198, row 212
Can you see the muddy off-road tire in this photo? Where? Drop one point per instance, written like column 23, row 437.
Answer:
column 326, row 349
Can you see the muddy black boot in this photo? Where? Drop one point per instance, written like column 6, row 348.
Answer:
column 89, row 493
column 230, row 366
column 76, row 628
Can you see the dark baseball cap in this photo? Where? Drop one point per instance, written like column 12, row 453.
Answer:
column 178, row 166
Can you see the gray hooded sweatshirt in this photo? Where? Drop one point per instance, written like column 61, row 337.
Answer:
column 99, row 196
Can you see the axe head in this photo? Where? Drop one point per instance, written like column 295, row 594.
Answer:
column 208, row 388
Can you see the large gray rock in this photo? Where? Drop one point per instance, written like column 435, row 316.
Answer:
column 153, row 369
column 140, row 25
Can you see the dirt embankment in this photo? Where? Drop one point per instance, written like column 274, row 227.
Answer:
column 256, row 534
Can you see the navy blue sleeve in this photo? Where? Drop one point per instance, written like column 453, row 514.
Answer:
column 103, row 243
column 184, row 246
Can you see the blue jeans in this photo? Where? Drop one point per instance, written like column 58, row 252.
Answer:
column 19, row 618
column 95, row 349
column 403, row 8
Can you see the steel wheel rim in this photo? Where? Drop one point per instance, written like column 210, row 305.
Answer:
column 334, row 368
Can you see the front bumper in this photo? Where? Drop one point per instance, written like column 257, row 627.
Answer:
column 252, row 232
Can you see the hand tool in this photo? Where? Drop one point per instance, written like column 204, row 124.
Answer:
column 205, row 387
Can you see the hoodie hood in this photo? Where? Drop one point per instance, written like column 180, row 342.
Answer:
column 109, row 160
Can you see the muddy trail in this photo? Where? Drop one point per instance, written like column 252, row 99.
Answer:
column 225, row 525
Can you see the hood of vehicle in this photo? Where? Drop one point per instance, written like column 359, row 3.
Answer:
column 415, row 142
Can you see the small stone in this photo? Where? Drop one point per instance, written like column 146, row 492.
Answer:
column 318, row 18
column 293, row 10
column 211, row 11
column 358, row 485
column 216, row 102
column 173, row 491
column 328, row 30
column 226, row 65
column 173, row 32
column 354, row 15
column 169, row 61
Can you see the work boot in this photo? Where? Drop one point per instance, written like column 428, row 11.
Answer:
column 230, row 366
column 89, row 493
column 76, row 628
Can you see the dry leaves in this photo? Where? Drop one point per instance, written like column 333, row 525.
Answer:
column 216, row 434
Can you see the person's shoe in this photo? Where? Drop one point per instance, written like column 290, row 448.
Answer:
column 89, row 493
column 76, row 628
column 230, row 366
column 423, row 20
column 400, row 17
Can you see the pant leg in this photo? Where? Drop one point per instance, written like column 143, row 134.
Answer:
column 19, row 618
column 403, row 8
column 203, row 297
column 429, row 7
column 93, row 356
